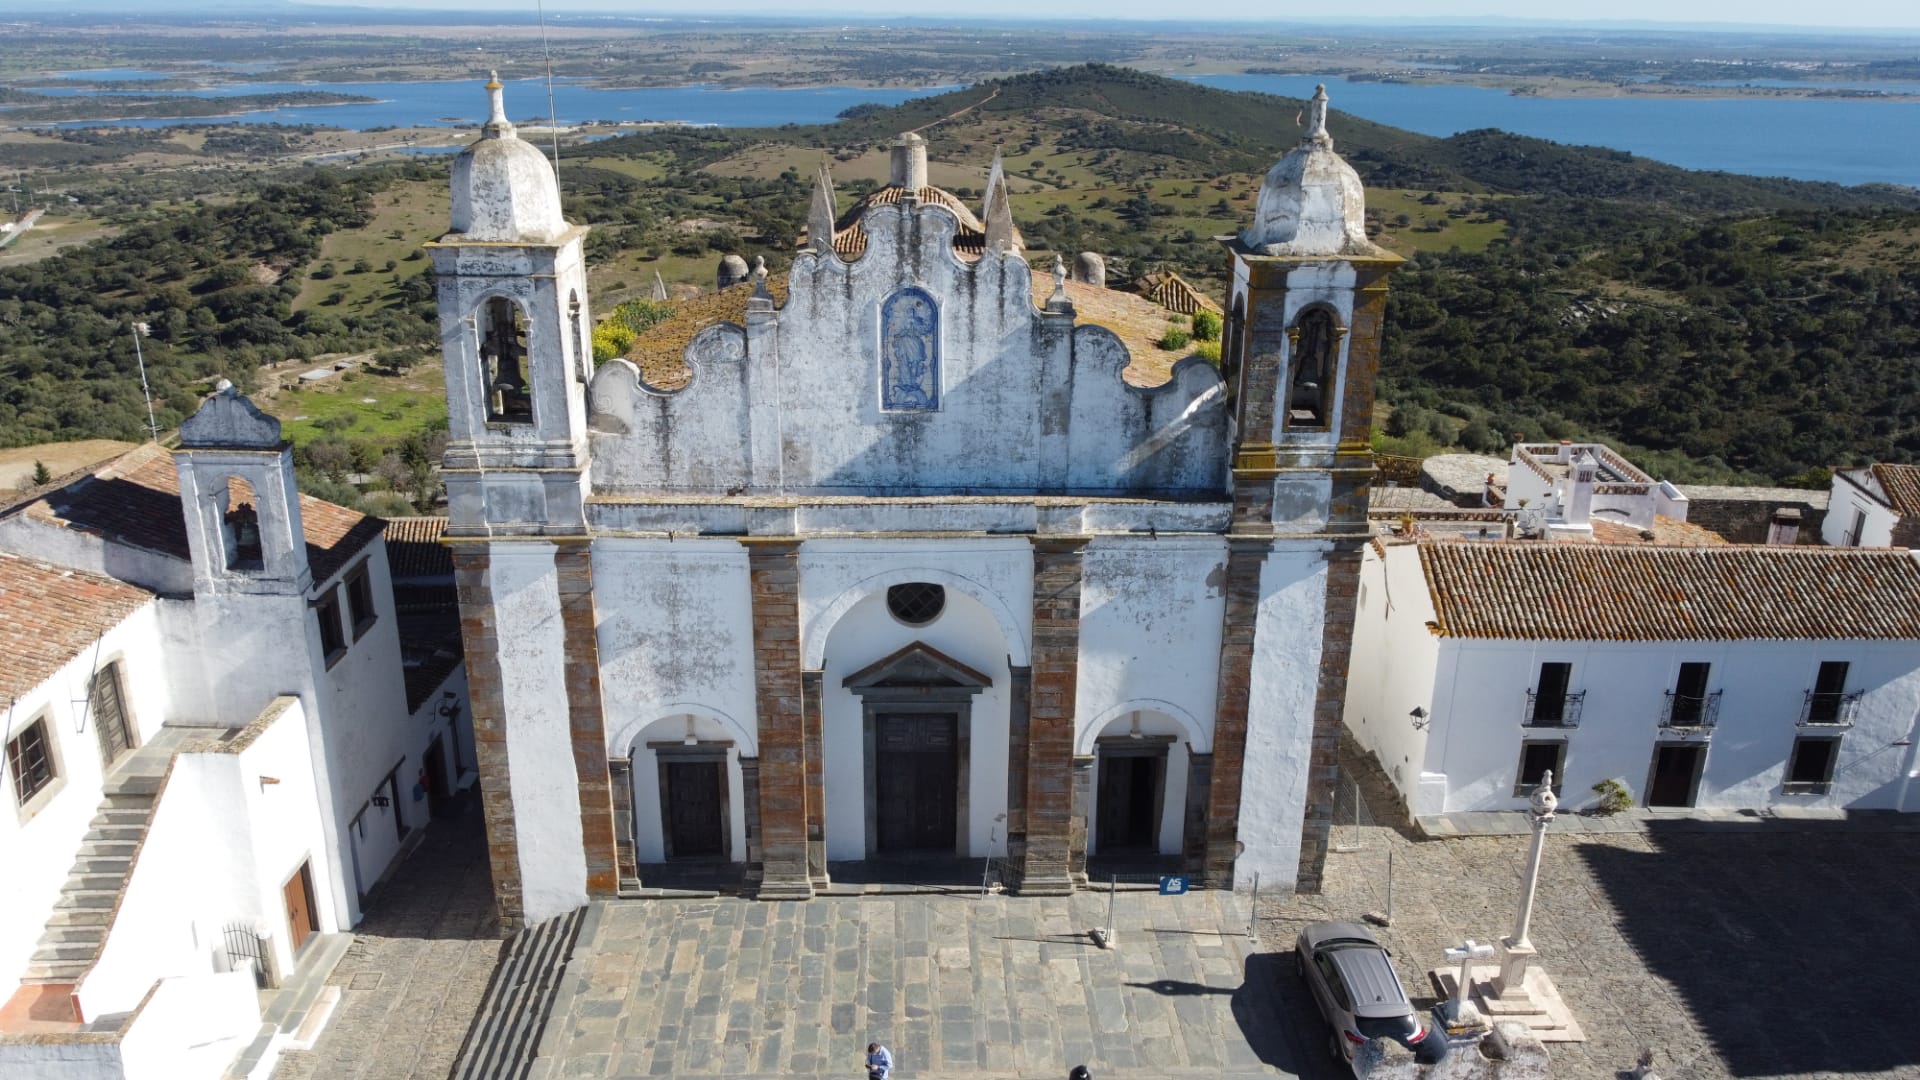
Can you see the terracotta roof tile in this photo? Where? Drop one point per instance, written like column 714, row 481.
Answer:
column 50, row 614
column 414, row 549
column 1902, row 485
column 135, row 500
column 850, row 239
column 1604, row 592
column 1175, row 293
column 1666, row 530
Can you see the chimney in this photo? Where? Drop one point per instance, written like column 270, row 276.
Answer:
column 909, row 162
column 1579, row 509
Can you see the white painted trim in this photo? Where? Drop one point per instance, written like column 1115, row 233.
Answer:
column 1199, row 738
column 744, row 741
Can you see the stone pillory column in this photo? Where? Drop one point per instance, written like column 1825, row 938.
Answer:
column 573, row 566
column 479, row 636
column 775, row 574
column 1045, row 868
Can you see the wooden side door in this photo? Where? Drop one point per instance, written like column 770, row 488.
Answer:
column 108, row 706
column 693, row 815
column 298, row 891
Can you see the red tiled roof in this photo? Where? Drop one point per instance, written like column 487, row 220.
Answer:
column 135, row 500
column 50, row 614
column 1175, row 293
column 414, row 549
column 850, row 239
column 1604, row 592
column 1902, row 485
column 1666, row 530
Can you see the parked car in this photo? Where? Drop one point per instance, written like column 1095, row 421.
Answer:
column 1353, row 982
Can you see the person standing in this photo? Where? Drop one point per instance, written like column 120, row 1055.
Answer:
column 879, row 1062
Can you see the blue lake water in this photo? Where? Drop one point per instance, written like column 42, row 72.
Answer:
column 1848, row 141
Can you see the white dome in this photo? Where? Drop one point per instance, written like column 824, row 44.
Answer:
column 503, row 188
column 1312, row 202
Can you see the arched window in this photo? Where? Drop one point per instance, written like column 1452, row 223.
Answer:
column 910, row 352
column 503, row 362
column 1315, row 344
column 240, row 526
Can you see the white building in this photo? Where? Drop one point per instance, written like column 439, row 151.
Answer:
column 1564, row 489
column 1874, row 506
column 209, row 749
column 903, row 567
column 1717, row 676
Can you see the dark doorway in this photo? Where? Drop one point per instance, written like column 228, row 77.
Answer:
column 298, row 892
column 1127, row 808
column 916, row 781
column 692, row 792
column 433, row 767
column 1676, row 774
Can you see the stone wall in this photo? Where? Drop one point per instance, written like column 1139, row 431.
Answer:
column 1744, row 515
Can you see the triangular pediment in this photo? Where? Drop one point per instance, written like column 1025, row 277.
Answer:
column 917, row 665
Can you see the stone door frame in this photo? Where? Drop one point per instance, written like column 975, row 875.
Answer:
column 1127, row 746
column 917, row 679
column 699, row 753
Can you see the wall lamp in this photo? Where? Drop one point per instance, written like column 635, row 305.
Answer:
column 1419, row 715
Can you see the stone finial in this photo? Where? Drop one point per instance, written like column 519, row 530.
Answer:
column 820, row 215
column 1060, row 301
column 1002, row 237
column 909, row 162
column 1317, row 118
column 1542, row 803
column 497, row 124
column 1091, row 268
column 761, row 302
column 733, row 270
column 996, row 179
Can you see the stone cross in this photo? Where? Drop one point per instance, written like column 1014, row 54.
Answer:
column 1317, row 117
column 1460, row 1010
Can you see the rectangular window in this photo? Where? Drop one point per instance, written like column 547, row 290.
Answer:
column 1828, row 703
column 1550, row 704
column 1810, row 768
column 333, row 643
column 1536, row 760
column 360, row 610
column 1852, row 539
column 30, row 761
column 1690, row 696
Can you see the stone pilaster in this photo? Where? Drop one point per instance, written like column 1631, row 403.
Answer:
column 1244, row 561
column 1329, row 707
column 1019, row 703
column 815, row 722
column 1046, row 866
column 479, row 637
column 775, row 575
column 573, row 570
column 1082, row 804
column 750, row 798
column 1193, row 844
column 627, row 855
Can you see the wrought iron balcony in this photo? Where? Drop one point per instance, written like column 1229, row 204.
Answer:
column 1830, row 710
column 1562, row 711
column 1691, row 710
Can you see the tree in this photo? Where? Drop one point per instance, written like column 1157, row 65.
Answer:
column 41, row 474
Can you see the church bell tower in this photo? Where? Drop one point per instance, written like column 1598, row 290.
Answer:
column 515, row 333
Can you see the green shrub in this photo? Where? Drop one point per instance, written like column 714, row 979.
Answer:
column 1206, row 325
column 1174, row 338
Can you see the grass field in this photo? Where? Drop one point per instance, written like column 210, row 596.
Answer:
column 405, row 216
column 362, row 406
column 52, row 233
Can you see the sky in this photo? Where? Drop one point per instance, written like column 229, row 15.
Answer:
column 1854, row 14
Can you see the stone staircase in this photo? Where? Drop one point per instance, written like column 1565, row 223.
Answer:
column 505, row 1035
column 76, row 930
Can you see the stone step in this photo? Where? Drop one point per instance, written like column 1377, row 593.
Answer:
column 130, row 833
column 505, row 1036
column 86, row 898
column 83, row 952
column 96, row 849
column 85, row 934
column 130, row 787
column 59, row 971
column 110, row 816
column 106, row 881
column 87, row 865
column 79, row 916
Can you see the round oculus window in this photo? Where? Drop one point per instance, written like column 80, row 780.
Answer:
column 917, row 603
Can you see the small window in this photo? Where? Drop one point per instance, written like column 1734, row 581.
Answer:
column 503, row 363
column 916, row 603
column 1551, row 704
column 1810, row 769
column 333, row 642
column 361, row 613
column 1852, row 539
column 1536, row 760
column 30, row 761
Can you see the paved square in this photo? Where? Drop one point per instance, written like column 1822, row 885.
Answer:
column 1001, row 987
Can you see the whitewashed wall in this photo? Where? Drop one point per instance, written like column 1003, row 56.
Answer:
column 1847, row 499
column 1394, row 661
column 522, row 579
column 39, row 851
column 1150, row 623
column 1480, row 703
column 191, row 1028
column 1286, row 669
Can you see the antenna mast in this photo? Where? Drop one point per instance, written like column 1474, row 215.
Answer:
column 553, row 118
column 138, row 329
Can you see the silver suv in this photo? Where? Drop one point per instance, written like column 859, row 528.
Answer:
column 1354, row 984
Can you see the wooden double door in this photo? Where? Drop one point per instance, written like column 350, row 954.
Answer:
column 693, row 803
column 916, row 782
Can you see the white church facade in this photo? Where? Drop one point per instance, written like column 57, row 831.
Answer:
column 904, row 569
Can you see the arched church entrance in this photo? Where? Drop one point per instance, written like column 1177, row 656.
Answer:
column 684, row 807
column 1141, row 779
column 915, row 690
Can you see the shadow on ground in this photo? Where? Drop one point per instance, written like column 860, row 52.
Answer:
column 1282, row 1025
column 1793, row 952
